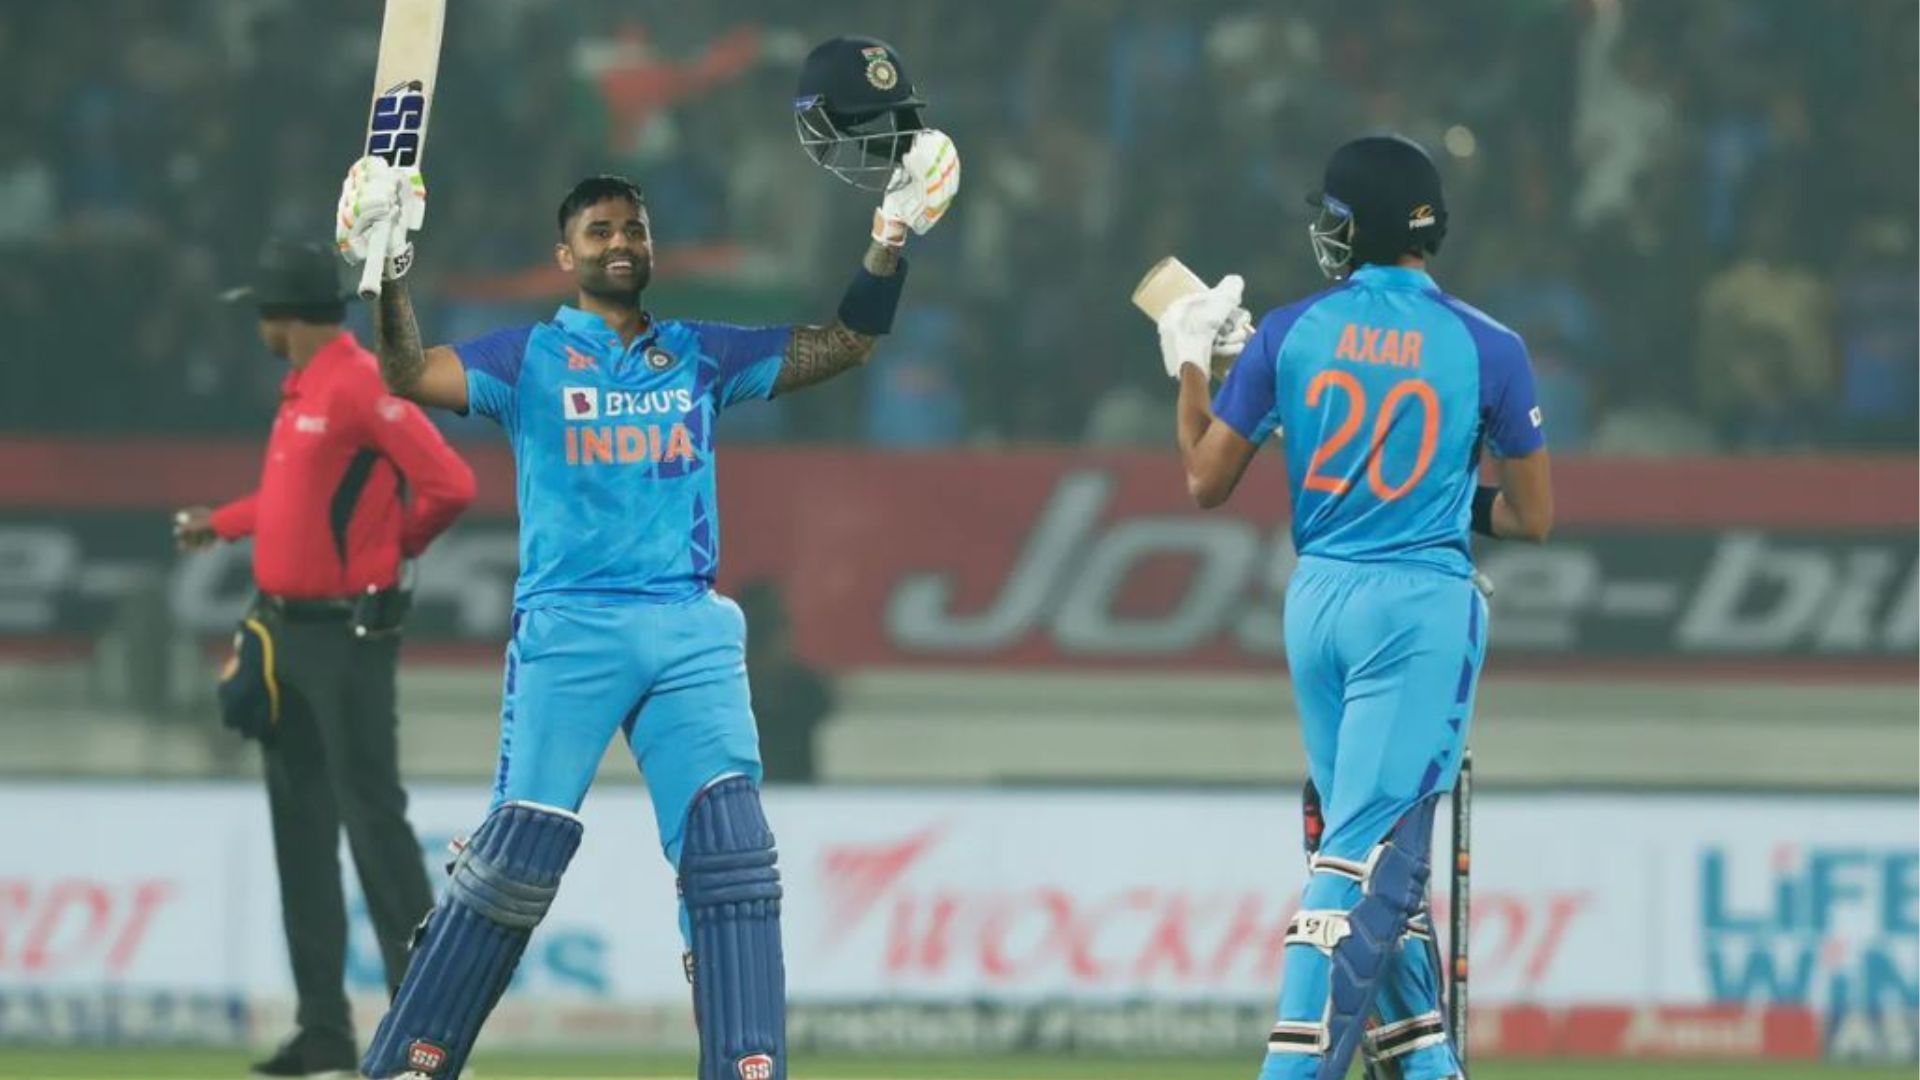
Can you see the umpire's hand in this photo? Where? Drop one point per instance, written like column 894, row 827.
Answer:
column 193, row 528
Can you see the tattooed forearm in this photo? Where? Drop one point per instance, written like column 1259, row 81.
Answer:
column 818, row 353
column 396, row 338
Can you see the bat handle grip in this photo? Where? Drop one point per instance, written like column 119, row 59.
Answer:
column 378, row 239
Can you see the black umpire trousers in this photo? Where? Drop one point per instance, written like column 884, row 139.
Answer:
column 335, row 762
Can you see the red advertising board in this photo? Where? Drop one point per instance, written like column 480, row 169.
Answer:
column 1656, row 1032
column 1058, row 558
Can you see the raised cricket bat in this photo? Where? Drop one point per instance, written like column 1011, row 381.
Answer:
column 1169, row 280
column 402, row 96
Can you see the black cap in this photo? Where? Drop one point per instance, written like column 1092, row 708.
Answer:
column 1391, row 189
column 854, row 76
column 249, row 687
column 293, row 272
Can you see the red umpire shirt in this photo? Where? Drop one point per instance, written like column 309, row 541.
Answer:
column 329, row 519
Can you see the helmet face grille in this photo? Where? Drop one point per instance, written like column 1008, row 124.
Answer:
column 859, row 150
column 1332, row 237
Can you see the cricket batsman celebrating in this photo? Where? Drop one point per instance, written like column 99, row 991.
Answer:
column 610, row 409
column 1386, row 389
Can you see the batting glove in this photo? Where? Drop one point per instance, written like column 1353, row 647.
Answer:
column 376, row 192
column 1205, row 328
column 1231, row 339
column 922, row 188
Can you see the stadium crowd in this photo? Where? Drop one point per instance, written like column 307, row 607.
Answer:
column 1701, row 215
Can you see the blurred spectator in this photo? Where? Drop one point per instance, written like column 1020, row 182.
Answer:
column 914, row 398
column 1546, row 304
column 1647, row 417
column 1761, row 112
column 1623, row 117
column 790, row 697
column 28, row 211
column 1879, row 338
column 1130, row 415
column 1604, row 159
column 1765, row 338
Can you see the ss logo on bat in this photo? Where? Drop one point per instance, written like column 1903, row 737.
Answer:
column 394, row 134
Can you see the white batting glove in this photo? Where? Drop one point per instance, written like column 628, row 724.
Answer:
column 922, row 188
column 1231, row 339
column 376, row 192
column 1199, row 327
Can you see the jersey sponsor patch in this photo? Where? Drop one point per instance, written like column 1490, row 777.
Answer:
column 580, row 402
column 1533, row 414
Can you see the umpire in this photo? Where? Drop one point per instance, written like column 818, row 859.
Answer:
column 355, row 481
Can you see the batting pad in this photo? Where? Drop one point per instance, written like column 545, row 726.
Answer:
column 732, row 893
column 1352, row 917
column 500, row 887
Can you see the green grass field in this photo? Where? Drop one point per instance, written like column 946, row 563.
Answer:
column 222, row 1065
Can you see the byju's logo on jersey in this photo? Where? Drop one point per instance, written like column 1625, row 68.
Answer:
column 580, row 402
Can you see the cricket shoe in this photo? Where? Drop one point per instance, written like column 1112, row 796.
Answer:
column 312, row 1055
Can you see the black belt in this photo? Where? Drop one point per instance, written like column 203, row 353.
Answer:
column 328, row 610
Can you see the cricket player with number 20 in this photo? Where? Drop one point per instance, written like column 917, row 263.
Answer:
column 1386, row 390
column 610, row 411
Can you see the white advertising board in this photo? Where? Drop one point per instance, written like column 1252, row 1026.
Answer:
column 1018, row 898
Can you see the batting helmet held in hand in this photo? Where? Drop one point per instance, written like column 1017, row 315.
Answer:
column 855, row 110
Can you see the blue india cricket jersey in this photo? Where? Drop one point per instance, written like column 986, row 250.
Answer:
column 1386, row 389
column 613, row 448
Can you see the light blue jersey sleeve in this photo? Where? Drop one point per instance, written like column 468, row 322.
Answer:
column 492, row 361
column 748, row 360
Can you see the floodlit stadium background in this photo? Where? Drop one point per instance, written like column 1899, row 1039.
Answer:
column 1046, row 803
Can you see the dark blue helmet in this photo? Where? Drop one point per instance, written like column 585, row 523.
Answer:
column 855, row 110
column 1379, row 200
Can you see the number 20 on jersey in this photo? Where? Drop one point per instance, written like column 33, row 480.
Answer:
column 1353, row 397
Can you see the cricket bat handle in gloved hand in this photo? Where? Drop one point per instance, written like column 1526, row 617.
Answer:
column 378, row 237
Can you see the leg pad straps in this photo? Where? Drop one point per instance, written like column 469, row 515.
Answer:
column 731, row 887
column 501, row 885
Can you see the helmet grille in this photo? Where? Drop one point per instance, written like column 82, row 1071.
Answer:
column 861, row 149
